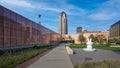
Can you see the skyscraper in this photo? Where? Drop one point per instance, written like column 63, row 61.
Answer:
column 62, row 26
column 79, row 29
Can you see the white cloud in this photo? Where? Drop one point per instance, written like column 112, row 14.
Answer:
column 58, row 6
column 20, row 3
column 50, row 19
column 73, row 10
column 26, row 4
column 102, row 16
column 51, row 9
column 107, row 11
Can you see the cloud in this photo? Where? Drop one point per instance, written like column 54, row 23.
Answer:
column 51, row 9
column 50, row 19
column 58, row 6
column 107, row 11
column 20, row 3
column 76, row 11
column 26, row 4
column 102, row 16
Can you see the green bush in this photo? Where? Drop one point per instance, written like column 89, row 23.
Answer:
column 108, row 44
column 70, row 41
column 77, row 46
column 12, row 60
column 99, row 64
column 36, row 47
column 43, row 46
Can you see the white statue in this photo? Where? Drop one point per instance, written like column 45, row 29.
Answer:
column 90, row 40
column 89, row 46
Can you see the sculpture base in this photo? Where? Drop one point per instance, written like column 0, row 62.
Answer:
column 87, row 49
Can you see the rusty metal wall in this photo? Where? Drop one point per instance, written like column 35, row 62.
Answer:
column 16, row 30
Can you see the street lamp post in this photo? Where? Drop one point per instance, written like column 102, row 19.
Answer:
column 39, row 16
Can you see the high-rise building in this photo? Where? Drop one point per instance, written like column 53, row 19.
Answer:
column 115, row 31
column 79, row 29
column 62, row 26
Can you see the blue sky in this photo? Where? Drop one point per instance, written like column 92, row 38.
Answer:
column 89, row 14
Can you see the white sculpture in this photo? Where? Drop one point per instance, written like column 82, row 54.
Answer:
column 89, row 46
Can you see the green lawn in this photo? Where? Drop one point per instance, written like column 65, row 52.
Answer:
column 95, row 46
column 77, row 46
column 107, row 48
column 13, row 60
column 99, row 64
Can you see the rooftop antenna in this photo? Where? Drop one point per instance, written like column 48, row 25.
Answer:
column 39, row 16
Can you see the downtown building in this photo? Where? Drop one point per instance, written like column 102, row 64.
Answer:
column 62, row 26
column 18, row 31
column 78, row 29
column 114, row 31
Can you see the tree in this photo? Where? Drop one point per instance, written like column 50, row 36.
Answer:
column 95, row 39
column 92, row 37
column 70, row 40
column 69, row 37
column 81, row 38
column 101, row 39
column 115, row 40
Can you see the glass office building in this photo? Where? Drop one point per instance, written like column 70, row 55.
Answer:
column 16, row 30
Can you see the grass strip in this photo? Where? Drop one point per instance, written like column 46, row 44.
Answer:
column 13, row 60
column 107, row 48
column 99, row 64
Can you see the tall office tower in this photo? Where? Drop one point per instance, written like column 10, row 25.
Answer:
column 115, row 31
column 79, row 29
column 62, row 26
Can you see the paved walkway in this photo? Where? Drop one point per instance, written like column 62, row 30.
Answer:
column 99, row 54
column 57, row 58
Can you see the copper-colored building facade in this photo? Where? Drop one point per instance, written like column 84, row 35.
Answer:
column 16, row 30
column 115, row 31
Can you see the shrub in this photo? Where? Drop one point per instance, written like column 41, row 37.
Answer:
column 108, row 44
column 42, row 46
column 36, row 47
column 70, row 41
column 77, row 46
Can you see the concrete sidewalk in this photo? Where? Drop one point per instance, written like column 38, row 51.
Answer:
column 57, row 58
